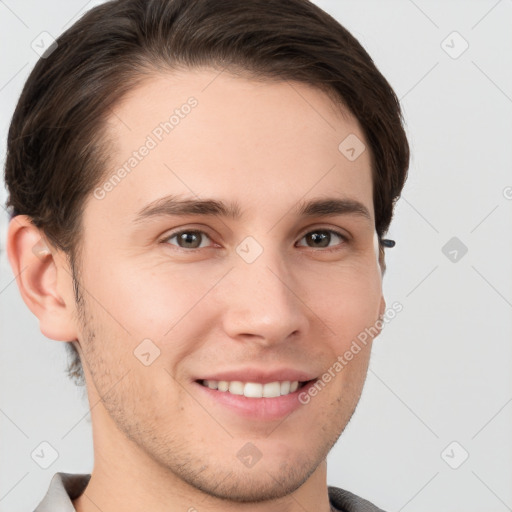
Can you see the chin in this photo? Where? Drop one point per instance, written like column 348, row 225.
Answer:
column 276, row 474
column 252, row 485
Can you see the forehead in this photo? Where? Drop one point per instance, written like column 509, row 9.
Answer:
column 206, row 133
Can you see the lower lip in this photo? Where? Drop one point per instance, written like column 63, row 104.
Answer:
column 257, row 408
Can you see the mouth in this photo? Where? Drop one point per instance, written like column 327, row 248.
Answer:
column 255, row 394
column 255, row 389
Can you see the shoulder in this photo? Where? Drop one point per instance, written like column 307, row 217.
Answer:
column 345, row 501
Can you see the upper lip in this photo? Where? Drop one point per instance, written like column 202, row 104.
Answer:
column 260, row 375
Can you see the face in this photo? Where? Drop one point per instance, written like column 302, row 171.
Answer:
column 181, row 302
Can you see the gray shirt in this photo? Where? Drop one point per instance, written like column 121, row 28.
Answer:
column 65, row 487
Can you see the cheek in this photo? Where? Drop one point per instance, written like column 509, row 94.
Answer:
column 149, row 303
column 346, row 299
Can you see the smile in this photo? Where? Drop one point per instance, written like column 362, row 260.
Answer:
column 254, row 389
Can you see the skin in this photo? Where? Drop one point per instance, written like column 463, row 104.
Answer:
column 158, row 443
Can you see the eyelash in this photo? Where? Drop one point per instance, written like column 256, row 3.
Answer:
column 317, row 230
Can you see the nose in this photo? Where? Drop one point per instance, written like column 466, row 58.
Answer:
column 262, row 302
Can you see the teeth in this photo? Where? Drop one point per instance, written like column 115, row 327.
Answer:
column 236, row 387
column 223, row 385
column 285, row 387
column 271, row 389
column 254, row 389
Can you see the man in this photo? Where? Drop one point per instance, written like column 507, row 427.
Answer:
column 199, row 191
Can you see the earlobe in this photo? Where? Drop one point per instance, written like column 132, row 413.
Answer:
column 41, row 280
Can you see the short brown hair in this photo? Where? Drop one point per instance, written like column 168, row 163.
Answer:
column 57, row 145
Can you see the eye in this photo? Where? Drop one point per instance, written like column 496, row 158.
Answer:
column 321, row 238
column 190, row 239
column 193, row 239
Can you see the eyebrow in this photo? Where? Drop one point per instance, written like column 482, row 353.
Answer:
column 172, row 205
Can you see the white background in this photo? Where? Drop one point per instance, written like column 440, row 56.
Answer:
column 442, row 369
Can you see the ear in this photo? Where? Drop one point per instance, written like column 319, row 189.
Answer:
column 379, row 323
column 382, row 308
column 382, row 259
column 43, row 278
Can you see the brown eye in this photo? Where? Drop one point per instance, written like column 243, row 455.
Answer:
column 321, row 238
column 188, row 239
